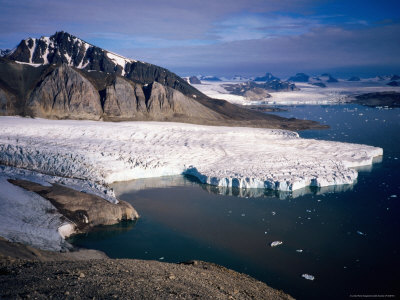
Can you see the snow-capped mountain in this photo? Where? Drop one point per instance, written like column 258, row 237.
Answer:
column 63, row 47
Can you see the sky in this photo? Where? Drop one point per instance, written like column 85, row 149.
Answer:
column 224, row 38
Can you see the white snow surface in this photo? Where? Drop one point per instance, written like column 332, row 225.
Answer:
column 105, row 152
column 26, row 217
column 85, row 186
column 309, row 94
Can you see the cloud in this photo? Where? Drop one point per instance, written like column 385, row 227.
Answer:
column 257, row 26
column 216, row 36
column 175, row 19
column 321, row 48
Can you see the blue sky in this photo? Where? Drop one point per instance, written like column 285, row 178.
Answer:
column 247, row 37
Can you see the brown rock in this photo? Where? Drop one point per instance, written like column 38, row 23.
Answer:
column 85, row 210
column 123, row 99
column 64, row 94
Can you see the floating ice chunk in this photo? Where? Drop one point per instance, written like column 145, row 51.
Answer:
column 299, row 250
column 393, row 196
column 243, row 215
column 276, row 243
column 308, row 276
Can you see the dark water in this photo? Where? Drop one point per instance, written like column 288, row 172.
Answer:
column 349, row 234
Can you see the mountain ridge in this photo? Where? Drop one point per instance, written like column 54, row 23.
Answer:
column 63, row 77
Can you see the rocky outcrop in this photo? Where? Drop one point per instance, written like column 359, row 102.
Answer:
column 299, row 77
column 328, row 78
column 163, row 102
column 259, row 91
column 194, row 80
column 7, row 102
column 389, row 99
column 210, row 78
column 124, row 99
column 65, row 94
column 83, row 210
column 319, row 84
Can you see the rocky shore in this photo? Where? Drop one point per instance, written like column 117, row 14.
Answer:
column 26, row 272
column 378, row 99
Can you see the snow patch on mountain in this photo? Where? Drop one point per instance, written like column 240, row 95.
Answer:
column 29, row 64
column 119, row 60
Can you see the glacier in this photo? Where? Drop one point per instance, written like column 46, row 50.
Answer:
column 88, row 156
column 106, row 152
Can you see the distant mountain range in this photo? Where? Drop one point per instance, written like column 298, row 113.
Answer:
column 267, row 78
column 64, row 77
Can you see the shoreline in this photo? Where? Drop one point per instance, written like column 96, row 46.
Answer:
column 88, row 274
column 82, row 273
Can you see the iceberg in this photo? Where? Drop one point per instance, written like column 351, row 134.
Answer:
column 308, row 276
column 276, row 243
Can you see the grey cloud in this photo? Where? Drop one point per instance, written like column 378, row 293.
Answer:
column 322, row 48
column 176, row 19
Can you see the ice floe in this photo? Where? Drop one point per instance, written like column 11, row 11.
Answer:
column 276, row 243
column 308, row 276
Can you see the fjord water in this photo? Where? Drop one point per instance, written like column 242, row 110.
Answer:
column 346, row 236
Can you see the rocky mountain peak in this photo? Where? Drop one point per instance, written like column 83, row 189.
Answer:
column 63, row 47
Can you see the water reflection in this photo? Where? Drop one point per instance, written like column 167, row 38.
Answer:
column 181, row 180
column 104, row 232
